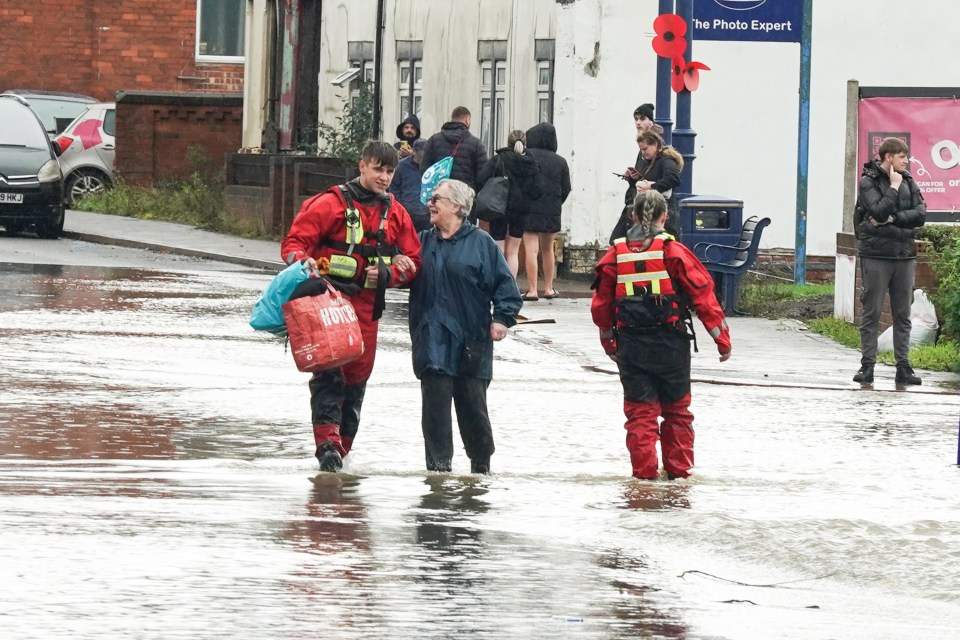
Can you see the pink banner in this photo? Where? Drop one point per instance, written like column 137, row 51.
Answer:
column 931, row 129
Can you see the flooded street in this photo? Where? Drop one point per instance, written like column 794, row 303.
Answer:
column 157, row 480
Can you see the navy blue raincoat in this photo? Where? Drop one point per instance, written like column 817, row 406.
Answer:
column 464, row 284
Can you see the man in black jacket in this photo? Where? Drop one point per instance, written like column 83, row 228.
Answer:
column 889, row 210
column 455, row 139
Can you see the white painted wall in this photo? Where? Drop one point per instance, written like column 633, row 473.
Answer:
column 745, row 112
column 450, row 31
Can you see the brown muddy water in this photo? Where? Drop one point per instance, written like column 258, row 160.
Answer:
column 157, row 481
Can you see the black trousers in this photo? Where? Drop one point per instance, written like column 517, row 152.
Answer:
column 654, row 365
column 469, row 397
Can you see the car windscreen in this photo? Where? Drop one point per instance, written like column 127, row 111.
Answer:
column 56, row 114
column 19, row 128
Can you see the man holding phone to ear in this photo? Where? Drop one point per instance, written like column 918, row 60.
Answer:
column 890, row 208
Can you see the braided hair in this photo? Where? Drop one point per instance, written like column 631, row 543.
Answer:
column 647, row 207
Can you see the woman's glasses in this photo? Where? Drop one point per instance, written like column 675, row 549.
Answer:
column 433, row 199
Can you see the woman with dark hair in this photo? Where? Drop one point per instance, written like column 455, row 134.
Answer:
column 521, row 171
column 658, row 168
column 645, row 286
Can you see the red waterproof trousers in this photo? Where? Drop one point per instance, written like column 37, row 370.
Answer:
column 655, row 373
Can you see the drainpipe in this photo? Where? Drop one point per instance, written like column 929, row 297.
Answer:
column 377, row 72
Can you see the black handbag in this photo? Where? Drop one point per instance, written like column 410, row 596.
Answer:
column 491, row 202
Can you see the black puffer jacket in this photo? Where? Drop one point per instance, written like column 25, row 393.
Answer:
column 544, row 213
column 904, row 209
column 522, row 171
column 471, row 154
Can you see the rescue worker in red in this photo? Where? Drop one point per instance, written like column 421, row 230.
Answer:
column 371, row 244
column 645, row 286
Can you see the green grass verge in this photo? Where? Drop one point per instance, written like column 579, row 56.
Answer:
column 943, row 356
column 758, row 295
column 194, row 202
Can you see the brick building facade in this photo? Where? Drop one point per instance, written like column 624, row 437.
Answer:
column 98, row 48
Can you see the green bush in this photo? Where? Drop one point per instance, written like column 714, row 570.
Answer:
column 939, row 236
column 345, row 141
column 947, row 296
column 197, row 201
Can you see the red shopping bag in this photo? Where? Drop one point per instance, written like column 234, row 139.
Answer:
column 323, row 330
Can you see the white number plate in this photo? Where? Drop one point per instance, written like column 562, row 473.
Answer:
column 11, row 198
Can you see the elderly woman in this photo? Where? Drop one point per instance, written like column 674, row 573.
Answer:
column 463, row 276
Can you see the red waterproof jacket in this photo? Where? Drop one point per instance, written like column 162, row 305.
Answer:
column 687, row 277
column 320, row 231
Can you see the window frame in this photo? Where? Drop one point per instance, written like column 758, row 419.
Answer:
column 221, row 59
column 545, row 91
column 413, row 89
column 493, row 105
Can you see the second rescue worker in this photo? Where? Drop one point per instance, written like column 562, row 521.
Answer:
column 371, row 244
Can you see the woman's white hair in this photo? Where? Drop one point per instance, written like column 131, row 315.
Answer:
column 459, row 193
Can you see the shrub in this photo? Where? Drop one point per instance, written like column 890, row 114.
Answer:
column 346, row 140
column 947, row 296
column 197, row 201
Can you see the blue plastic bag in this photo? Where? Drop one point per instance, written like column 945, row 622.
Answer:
column 267, row 314
column 439, row 170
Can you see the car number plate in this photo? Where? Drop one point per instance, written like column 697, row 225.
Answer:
column 11, row 198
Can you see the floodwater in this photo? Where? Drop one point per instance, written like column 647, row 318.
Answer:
column 157, row 481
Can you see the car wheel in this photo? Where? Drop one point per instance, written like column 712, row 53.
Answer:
column 51, row 229
column 84, row 182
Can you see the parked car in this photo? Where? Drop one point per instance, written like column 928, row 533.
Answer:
column 56, row 109
column 31, row 185
column 87, row 151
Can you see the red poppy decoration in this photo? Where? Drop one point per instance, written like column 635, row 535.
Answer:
column 670, row 41
column 678, row 68
column 691, row 75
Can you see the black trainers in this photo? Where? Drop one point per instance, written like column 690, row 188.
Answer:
column 329, row 457
column 865, row 375
column 905, row 375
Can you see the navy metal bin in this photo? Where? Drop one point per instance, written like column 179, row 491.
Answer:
column 715, row 219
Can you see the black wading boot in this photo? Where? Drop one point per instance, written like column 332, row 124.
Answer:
column 865, row 375
column 905, row 375
column 480, row 466
column 329, row 457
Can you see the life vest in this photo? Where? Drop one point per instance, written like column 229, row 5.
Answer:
column 350, row 257
column 646, row 297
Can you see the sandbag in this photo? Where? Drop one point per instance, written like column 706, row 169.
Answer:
column 323, row 330
column 923, row 321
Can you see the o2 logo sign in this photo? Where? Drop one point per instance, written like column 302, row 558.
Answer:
column 945, row 154
column 740, row 5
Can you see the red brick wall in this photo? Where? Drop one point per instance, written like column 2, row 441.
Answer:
column 99, row 47
column 155, row 130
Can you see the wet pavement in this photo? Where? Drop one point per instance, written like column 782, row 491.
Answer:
column 156, row 479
